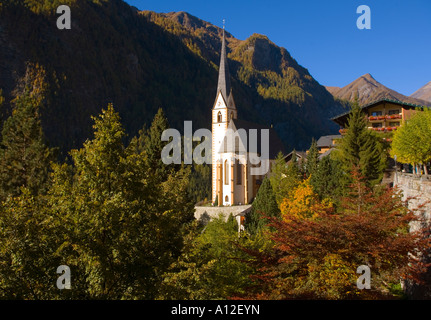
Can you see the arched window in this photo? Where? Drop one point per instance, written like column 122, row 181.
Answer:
column 236, row 145
column 231, row 115
column 226, row 199
column 219, row 117
column 226, row 172
column 238, row 172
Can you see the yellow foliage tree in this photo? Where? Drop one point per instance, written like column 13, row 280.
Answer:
column 304, row 204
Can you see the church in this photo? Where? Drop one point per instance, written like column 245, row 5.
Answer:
column 242, row 152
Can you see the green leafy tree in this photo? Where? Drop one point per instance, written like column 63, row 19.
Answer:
column 412, row 141
column 212, row 265
column 284, row 177
column 124, row 225
column 29, row 238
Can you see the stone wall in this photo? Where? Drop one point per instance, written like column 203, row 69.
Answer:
column 417, row 192
column 205, row 214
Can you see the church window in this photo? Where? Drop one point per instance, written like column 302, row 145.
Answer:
column 238, row 173
column 226, row 199
column 226, row 172
column 231, row 115
column 219, row 117
column 236, row 145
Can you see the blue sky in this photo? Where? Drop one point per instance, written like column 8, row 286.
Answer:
column 323, row 37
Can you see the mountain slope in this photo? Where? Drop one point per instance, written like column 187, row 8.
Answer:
column 141, row 61
column 423, row 93
column 283, row 92
column 368, row 89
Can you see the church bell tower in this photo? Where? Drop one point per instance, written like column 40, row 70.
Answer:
column 223, row 111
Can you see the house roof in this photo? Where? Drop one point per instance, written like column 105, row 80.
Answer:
column 327, row 141
column 341, row 119
column 299, row 154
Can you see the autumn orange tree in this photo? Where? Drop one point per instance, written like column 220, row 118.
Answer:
column 318, row 258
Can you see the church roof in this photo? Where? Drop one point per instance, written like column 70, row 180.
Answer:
column 224, row 76
column 275, row 144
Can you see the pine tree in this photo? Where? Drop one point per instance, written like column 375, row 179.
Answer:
column 278, row 172
column 264, row 205
column 24, row 157
column 292, row 177
column 326, row 180
column 312, row 159
column 149, row 141
column 361, row 148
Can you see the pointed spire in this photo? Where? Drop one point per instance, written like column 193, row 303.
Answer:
column 223, row 76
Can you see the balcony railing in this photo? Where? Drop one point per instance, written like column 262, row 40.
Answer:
column 393, row 116
column 387, row 117
column 375, row 118
column 384, row 129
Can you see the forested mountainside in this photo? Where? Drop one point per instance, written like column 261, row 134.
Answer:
column 141, row 61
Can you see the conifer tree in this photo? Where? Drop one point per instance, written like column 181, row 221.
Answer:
column 24, row 157
column 264, row 205
column 326, row 180
column 312, row 159
column 361, row 148
column 277, row 175
column 292, row 177
column 149, row 141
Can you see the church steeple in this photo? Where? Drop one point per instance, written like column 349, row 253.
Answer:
column 224, row 76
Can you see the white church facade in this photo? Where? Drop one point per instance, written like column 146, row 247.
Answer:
column 234, row 178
